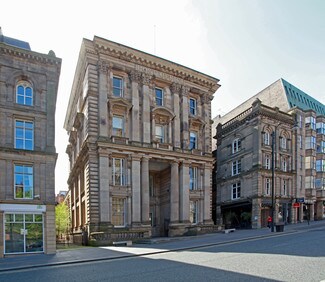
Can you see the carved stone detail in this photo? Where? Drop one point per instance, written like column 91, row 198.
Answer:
column 135, row 76
column 175, row 88
column 146, row 79
column 103, row 66
column 185, row 91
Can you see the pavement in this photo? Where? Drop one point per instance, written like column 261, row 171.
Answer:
column 151, row 246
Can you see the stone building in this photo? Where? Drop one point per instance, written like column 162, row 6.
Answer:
column 294, row 122
column 28, row 91
column 139, row 131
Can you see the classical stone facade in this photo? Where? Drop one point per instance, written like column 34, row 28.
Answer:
column 28, row 91
column 243, row 173
column 139, row 145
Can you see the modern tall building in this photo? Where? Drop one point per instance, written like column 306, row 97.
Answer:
column 139, row 145
column 28, row 91
column 270, row 152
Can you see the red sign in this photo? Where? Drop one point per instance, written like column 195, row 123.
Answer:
column 296, row 205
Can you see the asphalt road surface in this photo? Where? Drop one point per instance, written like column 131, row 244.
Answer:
column 296, row 256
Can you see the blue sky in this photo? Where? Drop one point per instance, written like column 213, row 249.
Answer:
column 247, row 44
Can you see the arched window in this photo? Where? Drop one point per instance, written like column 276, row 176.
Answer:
column 24, row 93
column 236, row 145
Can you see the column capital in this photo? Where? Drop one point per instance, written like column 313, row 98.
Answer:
column 185, row 91
column 146, row 79
column 103, row 66
column 175, row 88
column 135, row 76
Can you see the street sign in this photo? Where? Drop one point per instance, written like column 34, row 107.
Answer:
column 300, row 200
column 296, row 205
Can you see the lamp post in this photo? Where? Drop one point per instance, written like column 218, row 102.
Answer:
column 273, row 180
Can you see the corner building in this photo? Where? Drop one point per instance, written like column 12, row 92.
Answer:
column 139, row 145
column 28, row 92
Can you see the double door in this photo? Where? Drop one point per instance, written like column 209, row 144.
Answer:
column 23, row 233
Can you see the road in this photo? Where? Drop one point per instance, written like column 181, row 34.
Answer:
column 298, row 256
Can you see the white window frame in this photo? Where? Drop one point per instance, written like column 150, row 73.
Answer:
column 236, row 167
column 284, row 187
column 159, row 100
column 267, row 186
column 283, row 143
column 236, row 145
column 193, row 108
column 118, row 89
column 236, row 191
column 25, row 85
column 267, row 161
column 193, row 171
column 284, row 164
column 119, row 171
column 116, row 130
column 266, row 138
column 193, row 134
column 160, row 136
column 25, row 130
column 24, row 175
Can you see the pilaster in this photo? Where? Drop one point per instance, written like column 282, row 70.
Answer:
column 175, row 89
column 136, row 193
column 145, row 200
column 146, row 108
column 184, row 193
column 103, row 90
column 104, row 197
column 174, row 193
column 135, row 78
column 184, row 121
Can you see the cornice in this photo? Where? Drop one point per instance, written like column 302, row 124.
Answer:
column 29, row 55
column 151, row 63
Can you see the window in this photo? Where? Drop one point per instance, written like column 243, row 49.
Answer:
column 266, row 138
column 236, row 167
column 117, row 87
column 300, row 141
column 193, row 140
column 193, row 178
column 24, row 135
column 310, row 162
column 284, row 164
column 267, row 186
column 24, row 182
column 309, row 182
column 193, row 212
column 160, row 133
column 159, row 97
column 235, row 193
column 118, row 172
column 320, row 165
column 236, row 145
column 192, row 106
column 311, row 122
column 284, row 188
column 118, row 126
column 299, row 121
column 321, row 147
column 118, row 212
column 283, row 143
column 301, row 162
column 24, row 94
column 311, row 142
column 267, row 162
column 320, row 183
column 320, row 128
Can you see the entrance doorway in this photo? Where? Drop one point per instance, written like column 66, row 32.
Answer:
column 23, row 233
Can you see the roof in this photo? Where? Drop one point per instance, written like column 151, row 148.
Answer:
column 298, row 98
column 14, row 42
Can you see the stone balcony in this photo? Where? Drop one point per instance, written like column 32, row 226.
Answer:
column 310, row 193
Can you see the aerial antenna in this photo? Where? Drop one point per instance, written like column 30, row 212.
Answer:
column 154, row 39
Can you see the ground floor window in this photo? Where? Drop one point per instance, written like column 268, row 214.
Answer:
column 193, row 212
column 118, row 211
column 23, row 233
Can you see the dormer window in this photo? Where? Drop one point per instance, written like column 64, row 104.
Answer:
column 24, row 93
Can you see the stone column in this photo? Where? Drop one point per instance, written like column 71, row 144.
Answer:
column 104, row 80
column 174, row 193
column 135, row 77
column 145, row 199
column 206, row 115
column 79, row 199
column 256, row 218
column 207, row 184
column 136, row 193
column 146, row 108
column 184, row 122
column 104, row 180
column 175, row 89
column 184, row 199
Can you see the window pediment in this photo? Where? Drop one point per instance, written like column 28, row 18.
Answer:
column 196, row 123
column 119, row 105
column 162, row 115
